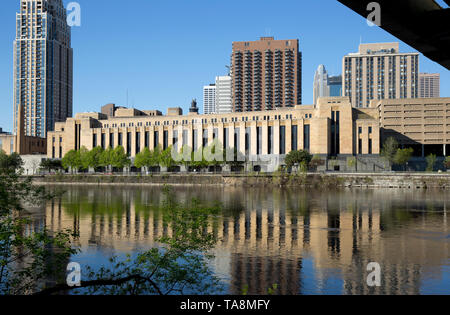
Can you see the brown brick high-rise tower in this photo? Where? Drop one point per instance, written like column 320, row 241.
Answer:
column 266, row 74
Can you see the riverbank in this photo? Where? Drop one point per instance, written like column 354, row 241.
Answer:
column 361, row 180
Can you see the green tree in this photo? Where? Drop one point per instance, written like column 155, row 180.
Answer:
column 447, row 162
column 238, row 159
column 389, row 150
column 166, row 159
column 179, row 264
column 11, row 162
column 143, row 158
column 72, row 160
column 431, row 162
column 84, row 157
column 106, row 157
column 42, row 255
column 94, row 157
column 156, row 156
column 199, row 161
column 51, row 165
column 298, row 157
column 214, row 154
column 403, row 156
column 119, row 158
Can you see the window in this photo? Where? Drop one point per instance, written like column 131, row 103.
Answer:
column 205, row 138
column 138, row 142
column 258, row 140
column 128, row 143
column 175, row 140
column 282, row 139
column 165, row 139
column 306, row 137
column 155, row 139
column 103, row 141
column 270, row 140
column 294, row 138
column 147, row 139
column 247, row 139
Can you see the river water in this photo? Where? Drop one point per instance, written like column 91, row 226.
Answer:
column 305, row 241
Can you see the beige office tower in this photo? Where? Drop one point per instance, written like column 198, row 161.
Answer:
column 42, row 66
column 266, row 74
column 380, row 71
column 429, row 85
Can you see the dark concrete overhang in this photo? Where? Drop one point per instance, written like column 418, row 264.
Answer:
column 422, row 24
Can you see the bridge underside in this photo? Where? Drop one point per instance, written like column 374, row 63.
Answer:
column 422, row 24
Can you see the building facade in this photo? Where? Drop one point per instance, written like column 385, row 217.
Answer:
column 21, row 143
column 429, row 85
column 209, row 99
column 332, row 127
column 43, row 61
column 321, row 88
column 335, row 85
column 266, row 74
column 380, row 71
column 224, row 102
column 422, row 123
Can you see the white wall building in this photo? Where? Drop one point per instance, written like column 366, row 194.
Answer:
column 224, row 103
column 209, row 99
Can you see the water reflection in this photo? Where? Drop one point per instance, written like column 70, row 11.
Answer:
column 307, row 242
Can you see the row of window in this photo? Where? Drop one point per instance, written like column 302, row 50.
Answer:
column 204, row 121
column 205, row 139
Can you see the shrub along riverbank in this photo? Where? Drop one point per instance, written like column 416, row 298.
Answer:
column 318, row 180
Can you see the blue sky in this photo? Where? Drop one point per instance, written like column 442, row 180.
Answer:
column 164, row 51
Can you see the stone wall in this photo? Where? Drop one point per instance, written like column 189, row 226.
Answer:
column 368, row 180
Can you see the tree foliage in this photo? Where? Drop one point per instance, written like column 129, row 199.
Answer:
column 301, row 157
column 119, row 158
column 431, row 162
column 166, row 159
column 402, row 156
column 26, row 260
column 447, row 162
column 147, row 158
column 93, row 158
column 72, row 160
column 51, row 165
column 180, row 265
column 389, row 150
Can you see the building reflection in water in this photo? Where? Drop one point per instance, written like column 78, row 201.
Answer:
column 306, row 242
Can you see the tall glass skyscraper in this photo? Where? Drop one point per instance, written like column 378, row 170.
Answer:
column 321, row 88
column 43, row 61
column 324, row 85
